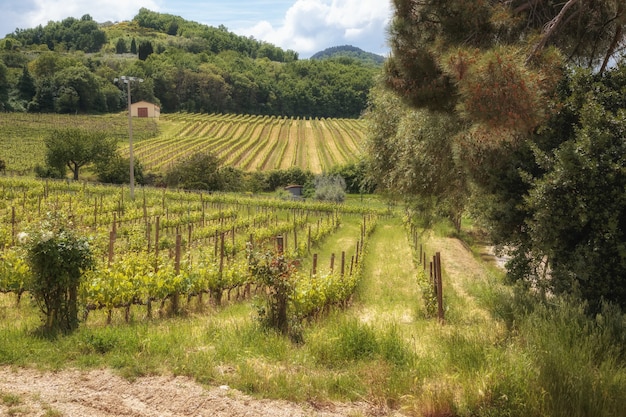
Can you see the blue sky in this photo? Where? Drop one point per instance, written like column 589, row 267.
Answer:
column 306, row 26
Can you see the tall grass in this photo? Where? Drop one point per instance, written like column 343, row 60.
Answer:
column 501, row 352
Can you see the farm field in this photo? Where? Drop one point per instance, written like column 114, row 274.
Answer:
column 170, row 315
column 247, row 142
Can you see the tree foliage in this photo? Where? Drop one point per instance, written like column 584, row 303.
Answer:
column 413, row 153
column 74, row 148
column 70, row 34
column 539, row 144
column 57, row 257
column 578, row 222
column 199, row 171
column 186, row 66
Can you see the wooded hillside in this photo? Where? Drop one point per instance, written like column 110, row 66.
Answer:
column 70, row 67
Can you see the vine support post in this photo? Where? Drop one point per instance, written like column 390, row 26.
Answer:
column 440, row 312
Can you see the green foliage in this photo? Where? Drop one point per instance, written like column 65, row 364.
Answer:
column 578, row 222
column 121, row 47
column 578, row 360
column 330, row 188
column 196, row 68
column 116, row 170
column 57, row 257
column 69, row 34
column 355, row 175
column 350, row 52
column 276, row 273
column 200, row 171
column 74, row 148
column 413, row 153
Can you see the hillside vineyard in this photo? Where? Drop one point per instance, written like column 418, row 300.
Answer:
column 253, row 142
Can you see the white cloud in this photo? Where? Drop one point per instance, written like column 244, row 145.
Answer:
column 28, row 14
column 313, row 25
column 100, row 11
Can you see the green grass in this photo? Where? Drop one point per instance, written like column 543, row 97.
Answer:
column 499, row 353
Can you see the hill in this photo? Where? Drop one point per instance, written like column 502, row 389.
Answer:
column 70, row 67
column 350, row 51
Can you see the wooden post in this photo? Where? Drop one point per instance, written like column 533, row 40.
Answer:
column 295, row 236
column 314, row 263
column 12, row 226
column 343, row 263
column 440, row 312
column 332, row 263
column 216, row 244
column 149, row 236
column 280, row 244
column 221, row 253
column 111, row 246
column 156, row 243
column 308, row 244
column 176, row 294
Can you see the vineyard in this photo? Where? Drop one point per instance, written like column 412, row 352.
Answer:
column 248, row 142
column 166, row 246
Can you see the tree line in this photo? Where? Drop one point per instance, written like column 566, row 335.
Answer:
column 69, row 67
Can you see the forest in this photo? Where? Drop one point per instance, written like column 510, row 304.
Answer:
column 70, row 67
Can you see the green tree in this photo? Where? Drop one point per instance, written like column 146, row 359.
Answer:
column 200, row 171
column 500, row 70
column 120, row 46
column 133, row 46
column 75, row 148
column 578, row 207
column 4, row 87
column 145, row 50
column 26, row 85
column 83, row 86
column 413, row 153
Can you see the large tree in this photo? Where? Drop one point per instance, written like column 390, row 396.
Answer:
column 75, row 148
column 500, row 69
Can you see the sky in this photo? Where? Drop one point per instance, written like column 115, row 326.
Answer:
column 305, row 26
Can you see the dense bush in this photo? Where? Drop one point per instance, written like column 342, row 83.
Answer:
column 117, row 171
column 57, row 257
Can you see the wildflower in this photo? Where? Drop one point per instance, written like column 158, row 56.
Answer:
column 22, row 238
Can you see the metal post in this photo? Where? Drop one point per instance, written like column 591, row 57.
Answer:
column 128, row 80
column 130, row 144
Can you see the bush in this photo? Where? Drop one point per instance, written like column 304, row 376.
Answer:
column 117, row 171
column 200, row 171
column 330, row 188
column 57, row 258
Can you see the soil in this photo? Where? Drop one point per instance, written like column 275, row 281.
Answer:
column 101, row 393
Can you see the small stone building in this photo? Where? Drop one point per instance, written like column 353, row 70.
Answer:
column 295, row 190
column 145, row 109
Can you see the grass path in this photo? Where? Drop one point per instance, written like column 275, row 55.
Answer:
column 388, row 293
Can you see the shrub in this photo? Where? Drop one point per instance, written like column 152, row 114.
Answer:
column 57, row 258
column 330, row 188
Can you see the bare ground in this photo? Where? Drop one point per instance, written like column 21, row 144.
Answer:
column 101, row 393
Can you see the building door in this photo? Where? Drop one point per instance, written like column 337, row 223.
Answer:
column 142, row 111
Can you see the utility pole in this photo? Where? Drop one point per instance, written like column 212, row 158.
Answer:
column 128, row 80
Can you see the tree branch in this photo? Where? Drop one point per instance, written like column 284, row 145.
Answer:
column 550, row 28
